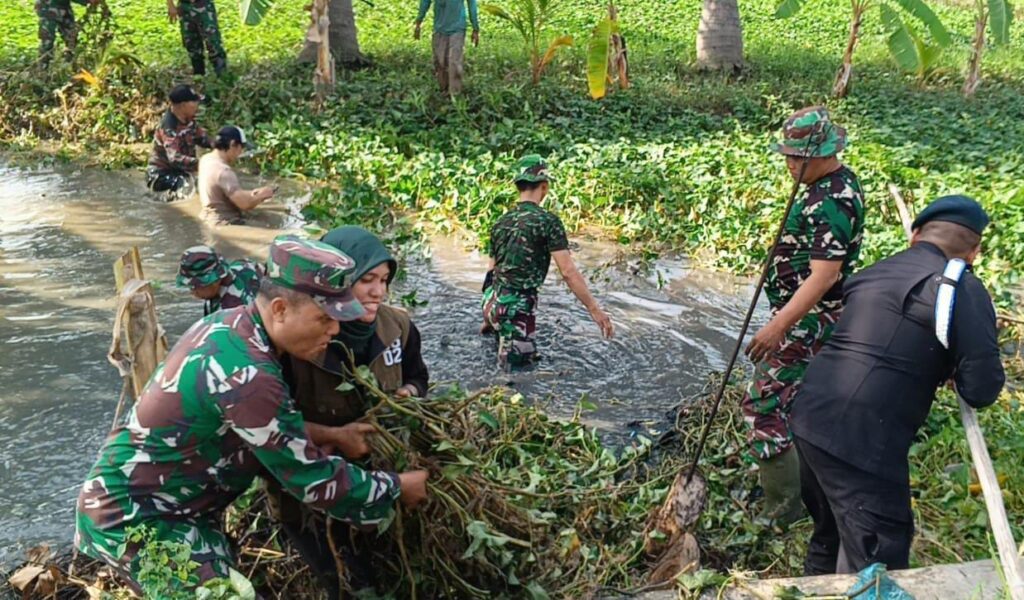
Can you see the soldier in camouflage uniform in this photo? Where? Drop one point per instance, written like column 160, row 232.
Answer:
column 522, row 244
column 198, row 20
column 819, row 247
column 220, row 283
column 217, row 412
column 57, row 15
column 173, row 163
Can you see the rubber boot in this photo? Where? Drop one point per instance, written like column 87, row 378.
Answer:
column 780, row 479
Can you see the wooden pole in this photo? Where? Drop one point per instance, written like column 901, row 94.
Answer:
column 982, row 464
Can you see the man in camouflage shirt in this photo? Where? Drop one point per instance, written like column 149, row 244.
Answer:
column 819, row 247
column 522, row 244
column 199, row 27
column 172, row 162
column 57, row 15
column 220, row 283
column 217, row 412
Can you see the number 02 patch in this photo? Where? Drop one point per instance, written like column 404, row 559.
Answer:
column 393, row 354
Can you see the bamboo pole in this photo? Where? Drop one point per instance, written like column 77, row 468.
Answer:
column 982, row 464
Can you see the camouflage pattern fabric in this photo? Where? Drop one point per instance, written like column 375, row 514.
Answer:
column 826, row 224
column 200, row 266
column 521, row 244
column 240, row 286
column 776, row 382
column 532, row 168
column 512, row 314
column 213, row 415
column 317, row 269
column 811, row 132
column 54, row 16
column 174, row 145
column 199, row 27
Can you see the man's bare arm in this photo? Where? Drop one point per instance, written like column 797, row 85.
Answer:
column 574, row 279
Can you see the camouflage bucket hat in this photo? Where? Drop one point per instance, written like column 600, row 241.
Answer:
column 317, row 269
column 532, row 168
column 200, row 266
column 810, row 132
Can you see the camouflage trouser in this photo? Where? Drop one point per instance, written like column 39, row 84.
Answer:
column 448, row 51
column 210, row 547
column 776, row 381
column 56, row 15
column 198, row 19
column 511, row 314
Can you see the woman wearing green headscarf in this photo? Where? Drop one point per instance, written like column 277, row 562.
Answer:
column 384, row 339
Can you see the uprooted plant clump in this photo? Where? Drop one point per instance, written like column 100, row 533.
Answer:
column 522, row 505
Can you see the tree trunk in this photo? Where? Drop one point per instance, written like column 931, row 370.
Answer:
column 841, row 87
column 974, row 66
column 343, row 37
column 720, row 36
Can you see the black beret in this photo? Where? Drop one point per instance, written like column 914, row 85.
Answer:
column 958, row 209
column 183, row 93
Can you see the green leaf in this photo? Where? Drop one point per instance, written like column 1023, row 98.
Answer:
column 901, row 41
column 559, row 42
column 488, row 419
column 927, row 16
column 1000, row 14
column 788, row 8
column 253, row 11
column 346, row 386
column 242, row 586
column 597, row 57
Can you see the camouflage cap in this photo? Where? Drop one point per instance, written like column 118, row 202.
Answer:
column 810, row 132
column 200, row 266
column 532, row 168
column 317, row 269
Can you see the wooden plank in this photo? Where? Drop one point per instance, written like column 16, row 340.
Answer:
column 982, row 464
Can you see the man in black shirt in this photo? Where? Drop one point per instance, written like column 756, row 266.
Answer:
column 910, row 323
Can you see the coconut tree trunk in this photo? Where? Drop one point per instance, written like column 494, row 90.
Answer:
column 974, row 66
column 343, row 36
column 841, row 87
column 323, row 76
column 720, row 36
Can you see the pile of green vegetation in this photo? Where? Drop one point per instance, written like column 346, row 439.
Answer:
column 679, row 161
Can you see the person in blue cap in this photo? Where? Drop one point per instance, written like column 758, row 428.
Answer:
column 910, row 323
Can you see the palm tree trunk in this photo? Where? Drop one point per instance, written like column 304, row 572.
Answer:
column 841, row 87
column 720, row 36
column 974, row 66
column 343, row 35
column 323, row 76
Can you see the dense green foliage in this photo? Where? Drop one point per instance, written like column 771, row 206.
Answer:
column 679, row 161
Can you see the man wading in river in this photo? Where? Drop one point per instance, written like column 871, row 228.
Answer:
column 217, row 412
column 223, row 200
column 870, row 389
column 172, row 162
column 523, row 242
column 819, row 245
column 220, row 283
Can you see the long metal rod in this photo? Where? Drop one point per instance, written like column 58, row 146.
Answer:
column 982, row 464
column 753, row 303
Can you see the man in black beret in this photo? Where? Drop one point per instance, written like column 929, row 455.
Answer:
column 173, row 162
column 910, row 323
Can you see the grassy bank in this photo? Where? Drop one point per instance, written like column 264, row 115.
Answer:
column 679, row 161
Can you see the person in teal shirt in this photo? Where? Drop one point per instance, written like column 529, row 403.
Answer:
column 449, row 39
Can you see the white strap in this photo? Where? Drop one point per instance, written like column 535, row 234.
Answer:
column 946, row 298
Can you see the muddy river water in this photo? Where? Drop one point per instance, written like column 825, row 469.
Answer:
column 61, row 229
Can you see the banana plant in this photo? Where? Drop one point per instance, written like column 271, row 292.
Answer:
column 998, row 15
column 529, row 17
column 902, row 45
column 606, row 56
column 254, row 10
column 911, row 51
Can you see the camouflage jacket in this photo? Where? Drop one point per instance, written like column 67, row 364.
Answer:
column 49, row 8
column 521, row 245
column 826, row 224
column 240, row 287
column 214, row 413
column 174, row 144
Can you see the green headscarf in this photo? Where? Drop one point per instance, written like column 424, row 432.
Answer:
column 368, row 252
